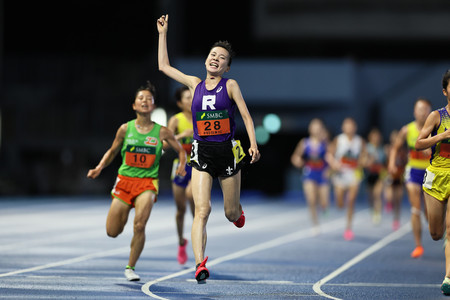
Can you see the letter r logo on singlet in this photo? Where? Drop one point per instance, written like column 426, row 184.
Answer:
column 208, row 101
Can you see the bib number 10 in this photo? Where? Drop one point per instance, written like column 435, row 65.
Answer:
column 139, row 160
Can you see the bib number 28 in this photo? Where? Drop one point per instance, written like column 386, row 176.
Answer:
column 212, row 123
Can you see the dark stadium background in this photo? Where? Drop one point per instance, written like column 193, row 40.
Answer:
column 69, row 70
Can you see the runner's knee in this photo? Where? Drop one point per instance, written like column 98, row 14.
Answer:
column 180, row 213
column 113, row 233
column 232, row 214
column 139, row 226
column 437, row 232
column 202, row 211
column 436, row 235
column 181, row 208
column 415, row 211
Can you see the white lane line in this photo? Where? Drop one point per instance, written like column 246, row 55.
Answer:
column 67, row 261
column 263, row 246
column 301, row 234
column 369, row 251
column 393, row 285
column 216, row 231
column 277, row 282
column 53, row 239
column 350, row 284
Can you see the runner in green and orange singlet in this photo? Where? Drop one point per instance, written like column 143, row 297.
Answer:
column 140, row 142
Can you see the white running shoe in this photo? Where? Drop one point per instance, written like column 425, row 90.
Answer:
column 131, row 275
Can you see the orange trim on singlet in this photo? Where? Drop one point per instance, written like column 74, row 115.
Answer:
column 376, row 168
column 315, row 165
column 415, row 154
column 350, row 162
column 187, row 148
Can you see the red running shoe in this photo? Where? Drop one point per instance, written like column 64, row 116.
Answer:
column 202, row 273
column 182, row 255
column 241, row 221
column 348, row 235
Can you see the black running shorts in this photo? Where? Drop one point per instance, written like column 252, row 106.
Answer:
column 219, row 159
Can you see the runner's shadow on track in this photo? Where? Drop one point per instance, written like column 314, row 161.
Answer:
column 132, row 285
column 190, row 292
column 218, row 276
column 185, row 267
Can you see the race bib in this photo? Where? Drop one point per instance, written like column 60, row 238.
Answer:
column 212, row 122
column 428, row 179
column 444, row 151
column 238, row 152
column 140, row 157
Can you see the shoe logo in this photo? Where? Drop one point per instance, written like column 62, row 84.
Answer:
column 204, row 166
column 219, row 89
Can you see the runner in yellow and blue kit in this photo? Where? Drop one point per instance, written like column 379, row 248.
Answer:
column 418, row 161
column 436, row 183
column 181, row 125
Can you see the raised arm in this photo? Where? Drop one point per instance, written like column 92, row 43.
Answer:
column 235, row 94
column 112, row 152
column 424, row 139
column 163, row 57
